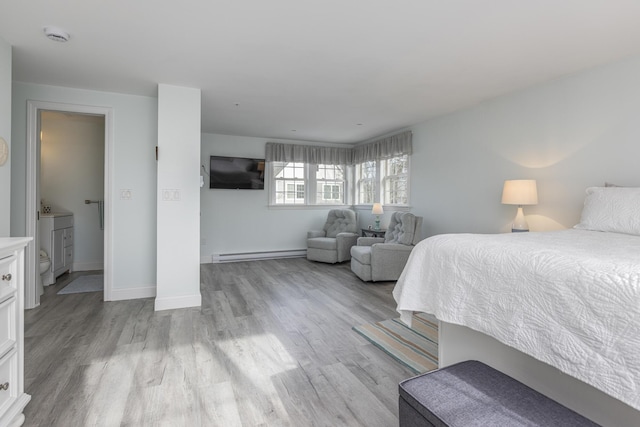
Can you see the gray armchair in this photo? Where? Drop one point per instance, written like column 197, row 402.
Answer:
column 333, row 243
column 379, row 259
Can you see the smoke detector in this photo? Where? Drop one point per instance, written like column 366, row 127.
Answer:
column 56, row 34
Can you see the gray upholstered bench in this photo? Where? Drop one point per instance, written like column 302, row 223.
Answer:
column 474, row 394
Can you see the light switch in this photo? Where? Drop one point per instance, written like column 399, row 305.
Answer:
column 126, row 194
column 170, row 195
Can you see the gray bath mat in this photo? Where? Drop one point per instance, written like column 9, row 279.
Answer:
column 90, row 283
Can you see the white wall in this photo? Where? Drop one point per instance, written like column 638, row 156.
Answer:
column 5, row 132
column 240, row 221
column 135, row 138
column 178, row 206
column 569, row 134
column 72, row 170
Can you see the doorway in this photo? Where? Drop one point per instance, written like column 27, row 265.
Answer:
column 71, row 189
column 91, row 215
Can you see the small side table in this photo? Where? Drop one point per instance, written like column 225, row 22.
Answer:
column 369, row 232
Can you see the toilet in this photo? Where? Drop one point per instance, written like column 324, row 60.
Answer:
column 45, row 264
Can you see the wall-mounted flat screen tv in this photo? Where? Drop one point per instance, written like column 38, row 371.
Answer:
column 236, row 173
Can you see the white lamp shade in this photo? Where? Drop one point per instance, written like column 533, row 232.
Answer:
column 520, row 192
column 377, row 209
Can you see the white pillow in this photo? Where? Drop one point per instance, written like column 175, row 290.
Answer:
column 615, row 209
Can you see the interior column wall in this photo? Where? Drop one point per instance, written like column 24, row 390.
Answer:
column 178, row 206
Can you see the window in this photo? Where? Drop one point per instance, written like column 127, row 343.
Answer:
column 293, row 183
column 331, row 192
column 386, row 181
column 295, row 191
column 395, row 173
column 366, row 183
column 330, row 182
column 289, row 183
column 376, row 171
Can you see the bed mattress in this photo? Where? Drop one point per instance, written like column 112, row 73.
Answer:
column 569, row 298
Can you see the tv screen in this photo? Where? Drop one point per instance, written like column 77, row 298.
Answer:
column 236, row 173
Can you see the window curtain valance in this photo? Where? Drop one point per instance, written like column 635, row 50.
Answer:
column 384, row 148
column 311, row 154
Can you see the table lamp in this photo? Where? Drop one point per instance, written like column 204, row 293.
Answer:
column 377, row 211
column 520, row 192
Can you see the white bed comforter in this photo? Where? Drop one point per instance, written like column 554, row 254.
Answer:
column 569, row 298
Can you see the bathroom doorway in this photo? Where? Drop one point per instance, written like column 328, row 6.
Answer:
column 68, row 152
column 71, row 189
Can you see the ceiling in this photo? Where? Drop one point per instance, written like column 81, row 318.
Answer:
column 325, row 70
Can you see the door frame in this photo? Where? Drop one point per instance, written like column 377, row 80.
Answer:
column 32, row 298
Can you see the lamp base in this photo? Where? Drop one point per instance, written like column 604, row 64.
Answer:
column 377, row 226
column 519, row 223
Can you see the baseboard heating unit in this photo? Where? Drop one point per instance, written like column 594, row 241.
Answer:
column 256, row 256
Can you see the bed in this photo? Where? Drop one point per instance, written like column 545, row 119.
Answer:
column 568, row 300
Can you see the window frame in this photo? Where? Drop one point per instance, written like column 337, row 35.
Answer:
column 311, row 196
column 379, row 191
column 358, row 180
column 295, row 180
column 384, row 176
column 350, row 187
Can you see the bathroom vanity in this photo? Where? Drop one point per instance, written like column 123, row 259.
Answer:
column 56, row 238
column 13, row 399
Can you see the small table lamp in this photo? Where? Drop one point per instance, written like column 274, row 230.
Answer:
column 520, row 192
column 377, row 211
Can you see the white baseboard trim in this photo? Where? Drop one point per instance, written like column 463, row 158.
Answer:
column 133, row 293
column 178, row 302
column 255, row 256
column 88, row 266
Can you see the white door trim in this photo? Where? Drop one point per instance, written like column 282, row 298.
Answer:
column 32, row 299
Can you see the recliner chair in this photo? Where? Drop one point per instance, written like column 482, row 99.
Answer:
column 334, row 242
column 381, row 259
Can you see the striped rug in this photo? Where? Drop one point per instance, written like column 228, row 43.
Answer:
column 415, row 347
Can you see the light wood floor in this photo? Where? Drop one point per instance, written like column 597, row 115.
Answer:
column 271, row 345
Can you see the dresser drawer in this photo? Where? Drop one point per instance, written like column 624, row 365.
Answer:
column 8, row 380
column 7, row 275
column 7, row 325
column 8, row 279
column 12, row 396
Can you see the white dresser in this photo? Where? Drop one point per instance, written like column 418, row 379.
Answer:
column 13, row 399
column 56, row 238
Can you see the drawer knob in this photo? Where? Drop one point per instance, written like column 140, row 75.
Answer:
column 6, row 277
column 4, row 386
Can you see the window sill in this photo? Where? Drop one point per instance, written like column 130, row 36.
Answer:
column 386, row 208
column 308, row 207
